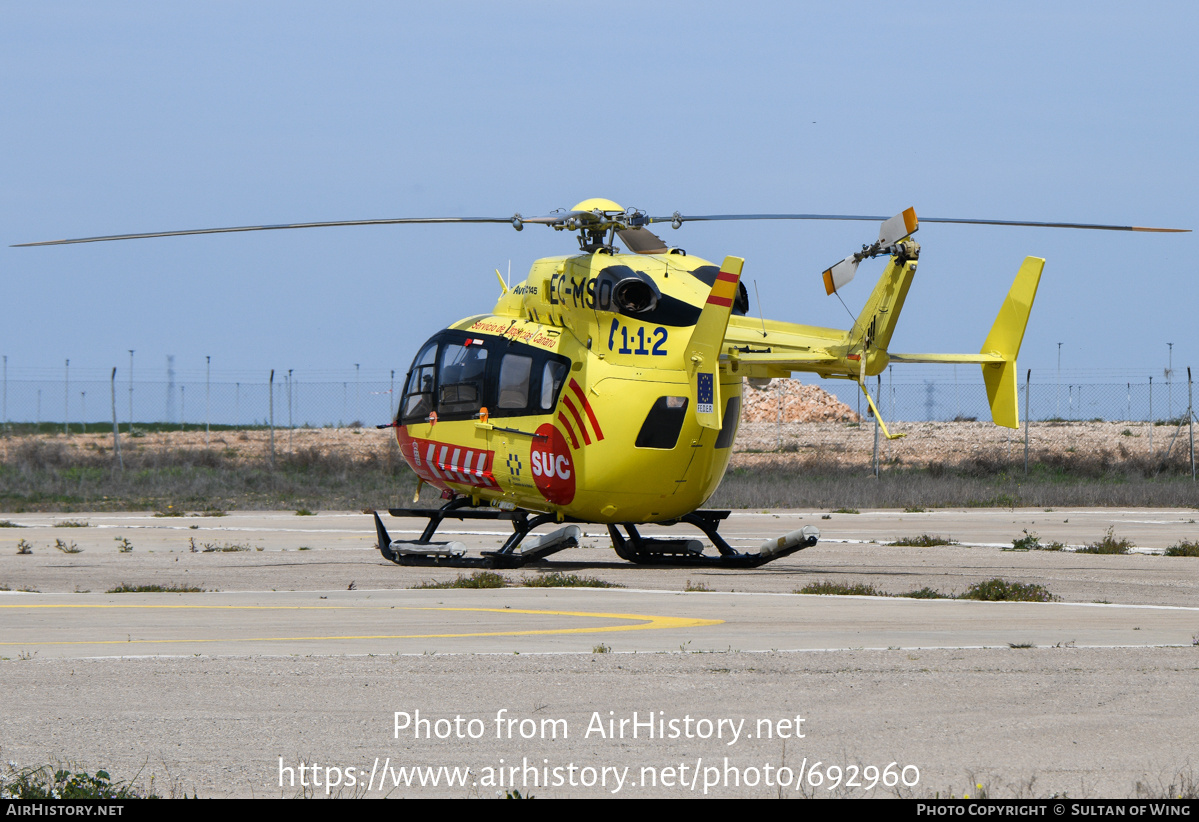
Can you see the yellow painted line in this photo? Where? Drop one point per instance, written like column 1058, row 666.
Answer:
column 646, row 622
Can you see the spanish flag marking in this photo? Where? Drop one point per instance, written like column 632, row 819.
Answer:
column 724, row 291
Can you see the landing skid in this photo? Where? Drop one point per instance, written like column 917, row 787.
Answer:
column 520, row 549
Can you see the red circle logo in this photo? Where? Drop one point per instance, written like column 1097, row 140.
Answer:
column 553, row 470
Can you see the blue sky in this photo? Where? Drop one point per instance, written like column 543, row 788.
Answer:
column 124, row 117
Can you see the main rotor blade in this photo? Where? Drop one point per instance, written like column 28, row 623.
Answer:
column 234, row 229
column 1055, row 225
column 684, row 218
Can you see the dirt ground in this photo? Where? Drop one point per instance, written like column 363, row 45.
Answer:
column 840, row 443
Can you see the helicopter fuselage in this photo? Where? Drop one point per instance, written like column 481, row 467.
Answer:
column 573, row 396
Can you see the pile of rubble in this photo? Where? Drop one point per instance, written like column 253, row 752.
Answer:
column 800, row 403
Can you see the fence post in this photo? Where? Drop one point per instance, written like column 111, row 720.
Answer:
column 1027, row 419
column 778, row 428
column 878, row 395
column 289, row 423
column 272, row 407
column 116, row 437
column 1191, row 419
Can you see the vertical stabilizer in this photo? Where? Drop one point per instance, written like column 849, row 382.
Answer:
column 1004, row 341
column 703, row 350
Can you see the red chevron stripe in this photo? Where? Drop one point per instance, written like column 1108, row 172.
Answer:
column 574, row 441
column 574, row 413
column 722, row 301
column 574, row 386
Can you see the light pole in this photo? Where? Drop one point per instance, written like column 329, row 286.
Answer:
column 289, row 424
column 1170, row 384
column 83, row 411
column 207, row 415
column 66, row 399
column 1058, row 412
column 5, row 392
column 357, row 395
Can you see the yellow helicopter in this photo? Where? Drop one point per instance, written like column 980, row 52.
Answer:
column 606, row 387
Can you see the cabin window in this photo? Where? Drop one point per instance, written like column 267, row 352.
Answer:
column 663, row 423
column 551, row 380
column 417, row 403
column 515, row 373
column 463, row 372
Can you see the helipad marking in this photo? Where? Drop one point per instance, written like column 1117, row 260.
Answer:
column 650, row 623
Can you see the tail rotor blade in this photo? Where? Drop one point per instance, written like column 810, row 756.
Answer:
column 898, row 227
column 840, row 274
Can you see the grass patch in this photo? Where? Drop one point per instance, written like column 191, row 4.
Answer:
column 925, row 593
column 123, row 545
column 67, row 547
column 64, row 784
column 1091, row 480
column 1021, row 645
column 71, row 523
column 479, row 579
column 913, row 509
column 1000, row 590
column 846, row 511
column 829, row 588
column 560, row 580
column 1108, row 545
column 993, row 590
column 1186, row 548
column 6, row 523
column 923, row 541
column 304, row 512
column 49, row 475
column 696, row 588
column 216, row 547
column 1031, row 542
column 126, row 588
column 24, row 547
column 602, row 649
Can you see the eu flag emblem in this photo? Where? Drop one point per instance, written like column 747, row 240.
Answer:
column 703, row 398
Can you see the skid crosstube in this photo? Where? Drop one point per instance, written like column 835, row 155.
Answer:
column 631, row 545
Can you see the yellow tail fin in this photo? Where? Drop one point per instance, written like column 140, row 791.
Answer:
column 703, row 350
column 1004, row 341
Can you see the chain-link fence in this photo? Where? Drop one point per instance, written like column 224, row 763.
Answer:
column 286, row 404
column 291, row 403
column 1071, row 408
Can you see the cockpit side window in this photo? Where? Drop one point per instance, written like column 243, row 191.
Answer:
column 418, row 393
column 462, row 379
column 552, row 377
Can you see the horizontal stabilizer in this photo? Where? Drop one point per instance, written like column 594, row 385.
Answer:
column 784, row 358
column 946, row 358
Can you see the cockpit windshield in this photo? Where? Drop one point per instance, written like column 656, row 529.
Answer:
column 458, row 376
